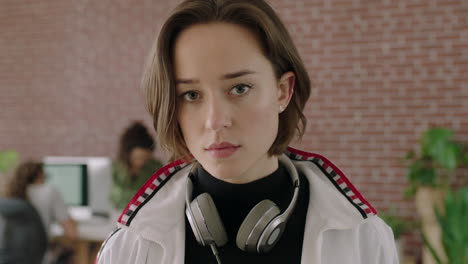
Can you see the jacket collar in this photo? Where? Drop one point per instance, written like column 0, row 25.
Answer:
column 160, row 204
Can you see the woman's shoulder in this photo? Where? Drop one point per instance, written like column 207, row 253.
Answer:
column 118, row 165
column 124, row 245
column 371, row 241
column 156, row 162
column 328, row 181
column 377, row 238
column 42, row 190
column 152, row 165
column 160, row 192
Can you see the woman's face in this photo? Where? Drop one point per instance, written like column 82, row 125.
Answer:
column 138, row 157
column 228, row 100
column 40, row 179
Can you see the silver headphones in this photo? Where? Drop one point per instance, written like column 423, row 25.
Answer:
column 261, row 228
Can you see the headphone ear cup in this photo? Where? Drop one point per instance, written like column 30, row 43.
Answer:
column 254, row 225
column 208, row 221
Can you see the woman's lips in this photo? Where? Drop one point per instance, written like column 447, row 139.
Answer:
column 222, row 150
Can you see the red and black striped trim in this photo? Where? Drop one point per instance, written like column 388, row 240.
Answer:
column 337, row 178
column 149, row 189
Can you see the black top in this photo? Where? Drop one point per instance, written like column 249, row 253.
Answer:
column 234, row 202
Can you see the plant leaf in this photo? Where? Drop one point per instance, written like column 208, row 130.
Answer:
column 448, row 157
column 409, row 155
column 8, row 160
column 431, row 249
column 434, row 139
column 453, row 225
column 409, row 191
column 426, row 176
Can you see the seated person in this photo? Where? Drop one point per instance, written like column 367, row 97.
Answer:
column 134, row 166
column 29, row 183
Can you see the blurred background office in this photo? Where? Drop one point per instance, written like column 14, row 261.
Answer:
column 383, row 72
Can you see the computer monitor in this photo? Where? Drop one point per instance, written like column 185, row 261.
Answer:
column 71, row 180
column 83, row 181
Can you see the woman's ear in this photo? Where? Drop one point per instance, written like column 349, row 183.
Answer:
column 285, row 89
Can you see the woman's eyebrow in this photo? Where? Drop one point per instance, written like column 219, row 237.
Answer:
column 226, row 76
column 185, row 81
column 236, row 74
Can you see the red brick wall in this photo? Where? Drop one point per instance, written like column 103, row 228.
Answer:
column 383, row 71
column 70, row 73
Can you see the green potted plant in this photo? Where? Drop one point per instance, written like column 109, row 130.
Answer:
column 452, row 221
column 435, row 162
column 431, row 169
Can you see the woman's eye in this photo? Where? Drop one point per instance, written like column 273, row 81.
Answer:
column 240, row 89
column 190, row 96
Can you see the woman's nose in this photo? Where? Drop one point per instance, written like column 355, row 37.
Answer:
column 218, row 115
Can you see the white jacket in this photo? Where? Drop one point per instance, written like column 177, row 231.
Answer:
column 341, row 226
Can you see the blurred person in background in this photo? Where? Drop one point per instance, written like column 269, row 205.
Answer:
column 28, row 183
column 135, row 164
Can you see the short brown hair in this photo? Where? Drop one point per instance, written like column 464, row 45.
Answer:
column 278, row 48
column 26, row 173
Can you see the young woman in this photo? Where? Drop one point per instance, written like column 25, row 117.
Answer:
column 134, row 166
column 29, row 184
column 226, row 89
column 21, row 227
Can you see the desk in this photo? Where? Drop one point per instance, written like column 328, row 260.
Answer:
column 90, row 235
